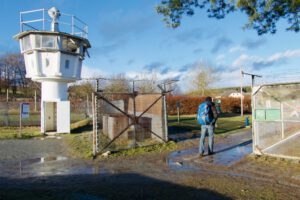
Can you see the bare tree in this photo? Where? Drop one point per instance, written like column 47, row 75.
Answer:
column 12, row 72
column 118, row 84
column 81, row 90
column 204, row 76
column 148, row 83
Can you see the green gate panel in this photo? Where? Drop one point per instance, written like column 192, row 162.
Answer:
column 267, row 114
column 273, row 114
column 260, row 114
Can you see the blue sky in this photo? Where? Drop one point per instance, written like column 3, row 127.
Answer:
column 131, row 38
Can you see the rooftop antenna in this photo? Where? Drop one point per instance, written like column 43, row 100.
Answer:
column 54, row 14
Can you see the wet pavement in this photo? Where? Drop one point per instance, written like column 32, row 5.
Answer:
column 226, row 154
column 47, row 160
column 229, row 156
column 46, row 166
column 46, row 156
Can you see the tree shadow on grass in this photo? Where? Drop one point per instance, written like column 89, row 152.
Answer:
column 182, row 129
column 83, row 129
column 95, row 187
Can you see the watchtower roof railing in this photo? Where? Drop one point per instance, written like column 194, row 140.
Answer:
column 40, row 20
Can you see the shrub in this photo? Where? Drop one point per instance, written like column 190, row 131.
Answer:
column 189, row 104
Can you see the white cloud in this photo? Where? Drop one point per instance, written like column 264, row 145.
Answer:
column 89, row 72
column 220, row 57
column 237, row 49
column 243, row 60
column 261, row 62
column 286, row 54
column 184, row 77
column 172, row 74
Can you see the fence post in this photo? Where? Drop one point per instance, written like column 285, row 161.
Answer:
column 87, row 110
column 134, row 114
column 35, row 100
column 94, row 125
column 165, row 114
column 20, row 130
column 282, row 122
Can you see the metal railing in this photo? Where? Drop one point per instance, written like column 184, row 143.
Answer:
column 39, row 20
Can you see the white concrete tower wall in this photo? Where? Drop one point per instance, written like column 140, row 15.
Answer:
column 54, row 91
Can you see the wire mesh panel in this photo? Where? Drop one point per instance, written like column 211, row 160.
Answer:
column 80, row 109
column 277, row 120
column 129, row 114
column 10, row 113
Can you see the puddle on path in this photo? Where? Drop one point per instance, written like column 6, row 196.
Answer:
column 224, row 156
column 48, row 166
column 228, row 156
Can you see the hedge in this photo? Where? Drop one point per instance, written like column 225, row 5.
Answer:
column 189, row 104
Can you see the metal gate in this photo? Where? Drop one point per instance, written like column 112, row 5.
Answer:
column 276, row 120
column 129, row 114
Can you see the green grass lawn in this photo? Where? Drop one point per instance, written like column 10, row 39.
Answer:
column 188, row 123
column 11, row 132
column 14, row 132
column 34, row 118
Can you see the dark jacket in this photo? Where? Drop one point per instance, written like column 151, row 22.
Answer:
column 214, row 112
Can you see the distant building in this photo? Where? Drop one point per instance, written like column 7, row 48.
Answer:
column 235, row 95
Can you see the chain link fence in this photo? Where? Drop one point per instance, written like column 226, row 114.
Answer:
column 276, row 120
column 10, row 111
column 129, row 114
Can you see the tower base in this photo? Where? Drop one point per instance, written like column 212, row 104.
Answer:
column 55, row 117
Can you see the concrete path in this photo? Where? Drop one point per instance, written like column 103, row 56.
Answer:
column 228, row 151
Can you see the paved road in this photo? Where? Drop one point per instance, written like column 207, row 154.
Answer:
column 36, row 157
column 17, row 149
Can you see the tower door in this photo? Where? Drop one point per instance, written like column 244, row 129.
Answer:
column 50, row 116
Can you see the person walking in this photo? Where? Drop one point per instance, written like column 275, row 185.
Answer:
column 207, row 117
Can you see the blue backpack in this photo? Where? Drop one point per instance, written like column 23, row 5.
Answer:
column 204, row 116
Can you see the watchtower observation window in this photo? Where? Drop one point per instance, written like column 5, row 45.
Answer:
column 45, row 41
column 26, row 43
column 48, row 41
column 70, row 45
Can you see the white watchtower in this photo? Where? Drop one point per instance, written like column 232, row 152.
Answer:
column 53, row 56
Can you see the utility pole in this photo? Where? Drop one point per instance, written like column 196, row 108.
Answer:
column 252, row 85
column 242, row 107
column 252, row 78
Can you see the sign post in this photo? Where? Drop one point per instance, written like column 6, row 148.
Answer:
column 178, row 111
column 24, row 113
